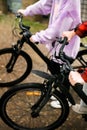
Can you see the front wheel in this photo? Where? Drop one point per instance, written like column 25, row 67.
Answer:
column 16, row 108
column 14, row 67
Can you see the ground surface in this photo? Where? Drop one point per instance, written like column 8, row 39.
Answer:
column 74, row 121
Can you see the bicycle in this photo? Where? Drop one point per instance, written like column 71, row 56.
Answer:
column 17, row 64
column 32, row 100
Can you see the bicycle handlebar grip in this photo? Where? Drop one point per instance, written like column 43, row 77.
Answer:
column 62, row 40
column 19, row 15
column 79, row 91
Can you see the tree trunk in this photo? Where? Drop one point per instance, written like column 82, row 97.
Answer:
column 3, row 6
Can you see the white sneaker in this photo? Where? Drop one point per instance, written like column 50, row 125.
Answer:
column 56, row 104
column 79, row 109
column 53, row 98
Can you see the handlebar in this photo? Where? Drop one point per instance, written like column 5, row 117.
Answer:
column 21, row 25
column 68, row 60
column 19, row 15
column 25, row 29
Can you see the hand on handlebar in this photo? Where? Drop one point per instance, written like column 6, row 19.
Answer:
column 21, row 11
column 75, row 77
column 69, row 34
column 25, row 29
column 31, row 39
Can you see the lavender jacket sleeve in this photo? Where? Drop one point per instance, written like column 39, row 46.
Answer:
column 64, row 20
column 42, row 7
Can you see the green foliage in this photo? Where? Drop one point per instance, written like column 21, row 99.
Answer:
column 2, row 17
column 35, row 26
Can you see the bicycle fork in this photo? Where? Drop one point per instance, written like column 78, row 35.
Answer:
column 12, row 62
column 15, row 53
column 36, row 108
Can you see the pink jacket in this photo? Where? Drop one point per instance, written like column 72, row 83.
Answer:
column 64, row 15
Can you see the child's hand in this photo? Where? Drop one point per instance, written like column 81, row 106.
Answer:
column 69, row 34
column 75, row 77
column 31, row 39
column 21, row 11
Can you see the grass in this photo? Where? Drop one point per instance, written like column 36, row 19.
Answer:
column 2, row 17
column 35, row 25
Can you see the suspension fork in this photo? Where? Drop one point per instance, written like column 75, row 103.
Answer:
column 15, row 53
column 12, row 62
column 42, row 101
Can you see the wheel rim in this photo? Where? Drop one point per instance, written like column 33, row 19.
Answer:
column 23, row 106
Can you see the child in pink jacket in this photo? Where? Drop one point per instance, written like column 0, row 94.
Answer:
column 64, row 15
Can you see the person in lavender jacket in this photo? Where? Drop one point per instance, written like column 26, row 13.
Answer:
column 64, row 15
